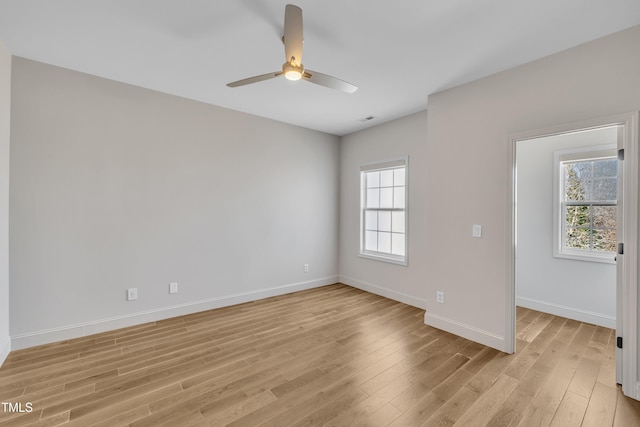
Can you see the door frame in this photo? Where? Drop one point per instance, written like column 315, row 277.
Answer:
column 629, row 297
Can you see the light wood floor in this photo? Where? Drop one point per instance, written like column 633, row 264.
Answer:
column 329, row 356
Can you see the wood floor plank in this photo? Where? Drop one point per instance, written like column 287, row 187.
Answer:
column 536, row 417
column 334, row 356
column 602, row 406
column 427, row 381
column 514, row 407
column 551, row 393
column 585, row 377
column 607, row 374
column 627, row 411
column 483, row 409
column 453, row 408
column 571, row 411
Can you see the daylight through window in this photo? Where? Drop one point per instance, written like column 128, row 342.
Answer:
column 383, row 211
column 589, row 204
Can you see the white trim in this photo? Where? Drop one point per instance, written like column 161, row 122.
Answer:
column 31, row 339
column 5, row 349
column 568, row 312
column 384, row 292
column 466, row 331
column 511, row 234
column 604, row 258
column 630, row 383
column 391, row 259
column 382, row 165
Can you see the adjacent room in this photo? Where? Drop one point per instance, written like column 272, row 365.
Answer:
column 186, row 240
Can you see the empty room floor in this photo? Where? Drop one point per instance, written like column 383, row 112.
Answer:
column 334, row 355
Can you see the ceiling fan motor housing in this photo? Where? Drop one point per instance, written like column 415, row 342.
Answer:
column 292, row 71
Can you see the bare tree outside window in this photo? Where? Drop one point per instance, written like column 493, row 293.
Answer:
column 589, row 204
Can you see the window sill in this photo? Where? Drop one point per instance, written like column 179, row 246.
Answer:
column 608, row 258
column 384, row 258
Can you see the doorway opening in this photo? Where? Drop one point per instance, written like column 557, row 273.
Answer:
column 566, row 224
column 574, row 229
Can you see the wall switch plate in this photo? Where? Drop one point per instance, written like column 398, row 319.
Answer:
column 173, row 287
column 132, row 294
column 476, row 231
column 440, row 297
column 306, row 268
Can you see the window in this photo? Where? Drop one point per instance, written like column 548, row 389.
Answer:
column 383, row 211
column 588, row 204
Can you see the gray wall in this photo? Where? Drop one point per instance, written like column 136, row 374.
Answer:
column 5, row 107
column 402, row 137
column 468, row 168
column 115, row 186
column 577, row 289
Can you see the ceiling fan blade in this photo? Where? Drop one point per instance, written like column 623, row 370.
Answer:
column 293, row 37
column 328, row 81
column 254, row 79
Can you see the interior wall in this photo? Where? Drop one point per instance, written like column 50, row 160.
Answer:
column 5, row 114
column 115, row 187
column 401, row 137
column 577, row 289
column 469, row 168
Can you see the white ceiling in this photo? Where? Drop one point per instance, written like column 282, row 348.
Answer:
column 396, row 52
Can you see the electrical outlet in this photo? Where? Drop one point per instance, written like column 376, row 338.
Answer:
column 440, row 297
column 306, row 268
column 173, row 287
column 476, row 230
column 132, row 294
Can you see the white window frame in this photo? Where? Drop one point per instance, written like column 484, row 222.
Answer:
column 381, row 166
column 575, row 154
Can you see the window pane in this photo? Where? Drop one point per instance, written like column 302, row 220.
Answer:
column 398, row 177
column 607, row 167
column 604, row 216
column 371, row 241
column 384, row 221
column 605, row 189
column 604, row 240
column 373, row 179
column 384, row 242
column 373, row 198
column 397, row 244
column 575, row 189
column 577, row 238
column 582, row 169
column 386, row 197
column 577, row 216
column 371, row 220
column 397, row 225
column 398, row 197
column 386, row 178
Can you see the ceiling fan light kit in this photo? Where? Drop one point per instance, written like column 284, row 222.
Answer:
column 292, row 69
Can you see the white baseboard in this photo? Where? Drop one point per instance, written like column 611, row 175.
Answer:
column 385, row 292
column 5, row 349
column 83, row 329
column 568, row 312
column 466, row 331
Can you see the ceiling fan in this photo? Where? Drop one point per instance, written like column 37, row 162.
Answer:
column 293, row 69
